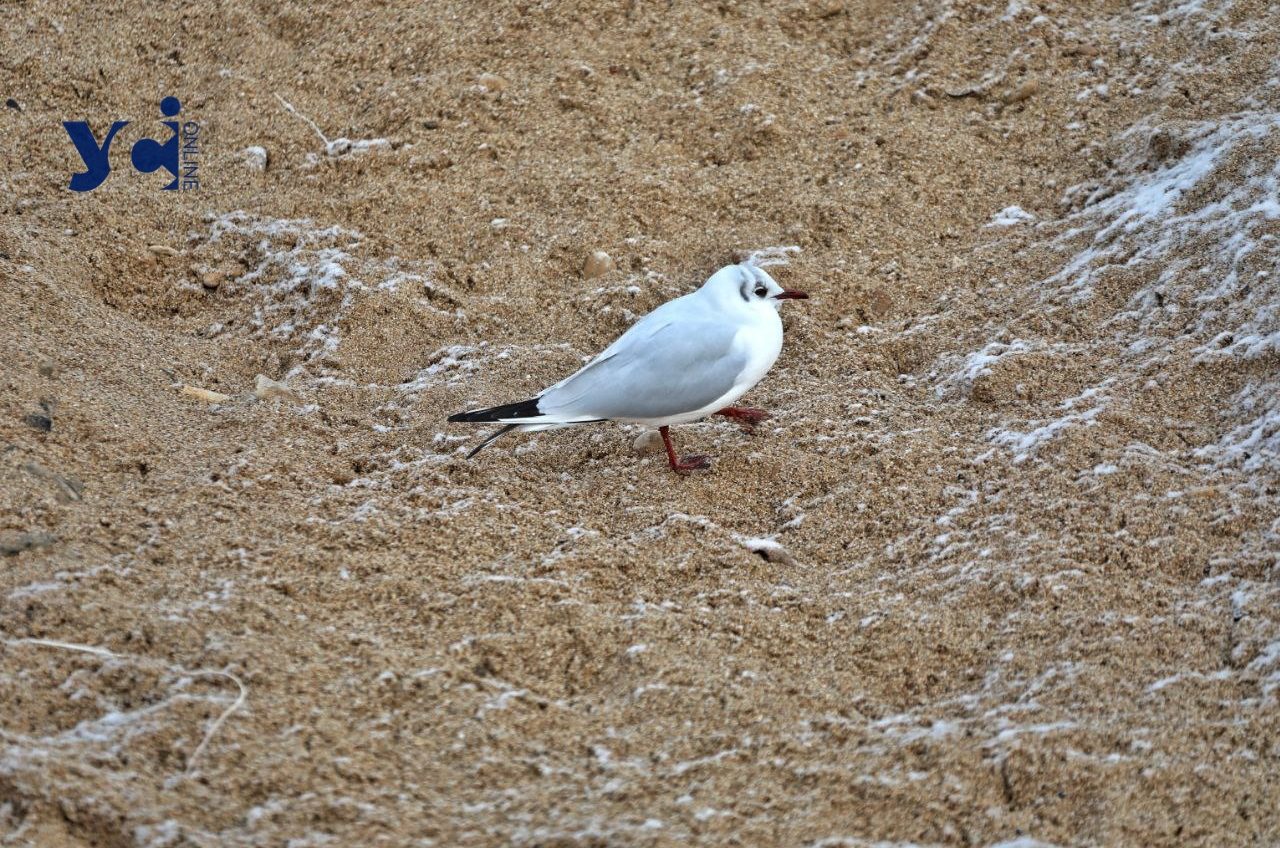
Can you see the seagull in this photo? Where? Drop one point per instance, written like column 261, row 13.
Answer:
column 689, row 358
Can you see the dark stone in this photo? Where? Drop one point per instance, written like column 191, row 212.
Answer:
column 40, row 422
column 12, row 544
column 13, row 104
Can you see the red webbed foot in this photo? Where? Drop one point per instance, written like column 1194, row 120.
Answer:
column 692, row 462
column 683, row 465
column 747, row 416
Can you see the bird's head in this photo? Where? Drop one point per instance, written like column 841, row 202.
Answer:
column 750, row 286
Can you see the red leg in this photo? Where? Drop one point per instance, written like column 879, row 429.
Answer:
column 686, row 464
column 749, row 416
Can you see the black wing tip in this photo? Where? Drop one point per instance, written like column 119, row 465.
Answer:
column 520, row 409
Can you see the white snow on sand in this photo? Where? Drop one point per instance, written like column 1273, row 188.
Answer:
column 1011, row 216
column 302, row 280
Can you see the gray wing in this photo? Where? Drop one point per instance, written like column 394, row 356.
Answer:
column 676, row 367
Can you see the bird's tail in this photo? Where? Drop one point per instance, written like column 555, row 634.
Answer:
column 523, row 415
column 507, row 412
column 504, row 413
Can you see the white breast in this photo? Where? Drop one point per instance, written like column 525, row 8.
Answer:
column 762, row 342
column 759, row 342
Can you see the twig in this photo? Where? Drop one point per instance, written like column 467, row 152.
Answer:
column 222, row 717
column 289, row 106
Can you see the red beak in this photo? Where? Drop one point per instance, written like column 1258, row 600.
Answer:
column 791, row 294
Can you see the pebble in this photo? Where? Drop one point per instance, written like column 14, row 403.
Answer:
column 650, row 441
column 1027, row 89
column 492, row 82
column 1086, row 50
column 12, row 544
column 878, row 304
column 434, row 162
column 162, row 250
column 597, row 264
column 67, row 488
column 922, row 98
column 212, row 279
column 266, row 388
column 37, row 421
column 204, row 394
column 769, row 550
column 827, row 9
column 255, row 157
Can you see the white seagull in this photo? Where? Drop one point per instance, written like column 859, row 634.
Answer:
column 689, row 358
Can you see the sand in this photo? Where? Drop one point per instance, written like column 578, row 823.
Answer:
column 1002, row 569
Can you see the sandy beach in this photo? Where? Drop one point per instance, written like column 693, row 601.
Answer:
column 1002, row 569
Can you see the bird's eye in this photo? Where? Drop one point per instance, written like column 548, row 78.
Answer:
column 761, row 291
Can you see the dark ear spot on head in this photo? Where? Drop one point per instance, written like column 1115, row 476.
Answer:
column 744, row 288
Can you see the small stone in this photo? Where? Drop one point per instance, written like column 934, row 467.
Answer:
column 37, row 421
column 162, row 250
column 66, row 488
column 255, row 157
column 922, row 98
column 492, row 82
column 205, row 395
column 12, row 104
column 597, row 264
column 825, row 9
column 12, row 544
column 1022, row 92
column 430, row 125
column 212, row 279
column 878, row 304
column 769, row 551
column 438, row 161
column 266, row 388
column 650, row 441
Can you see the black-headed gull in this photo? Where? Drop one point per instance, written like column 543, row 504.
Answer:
column 689, row 358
